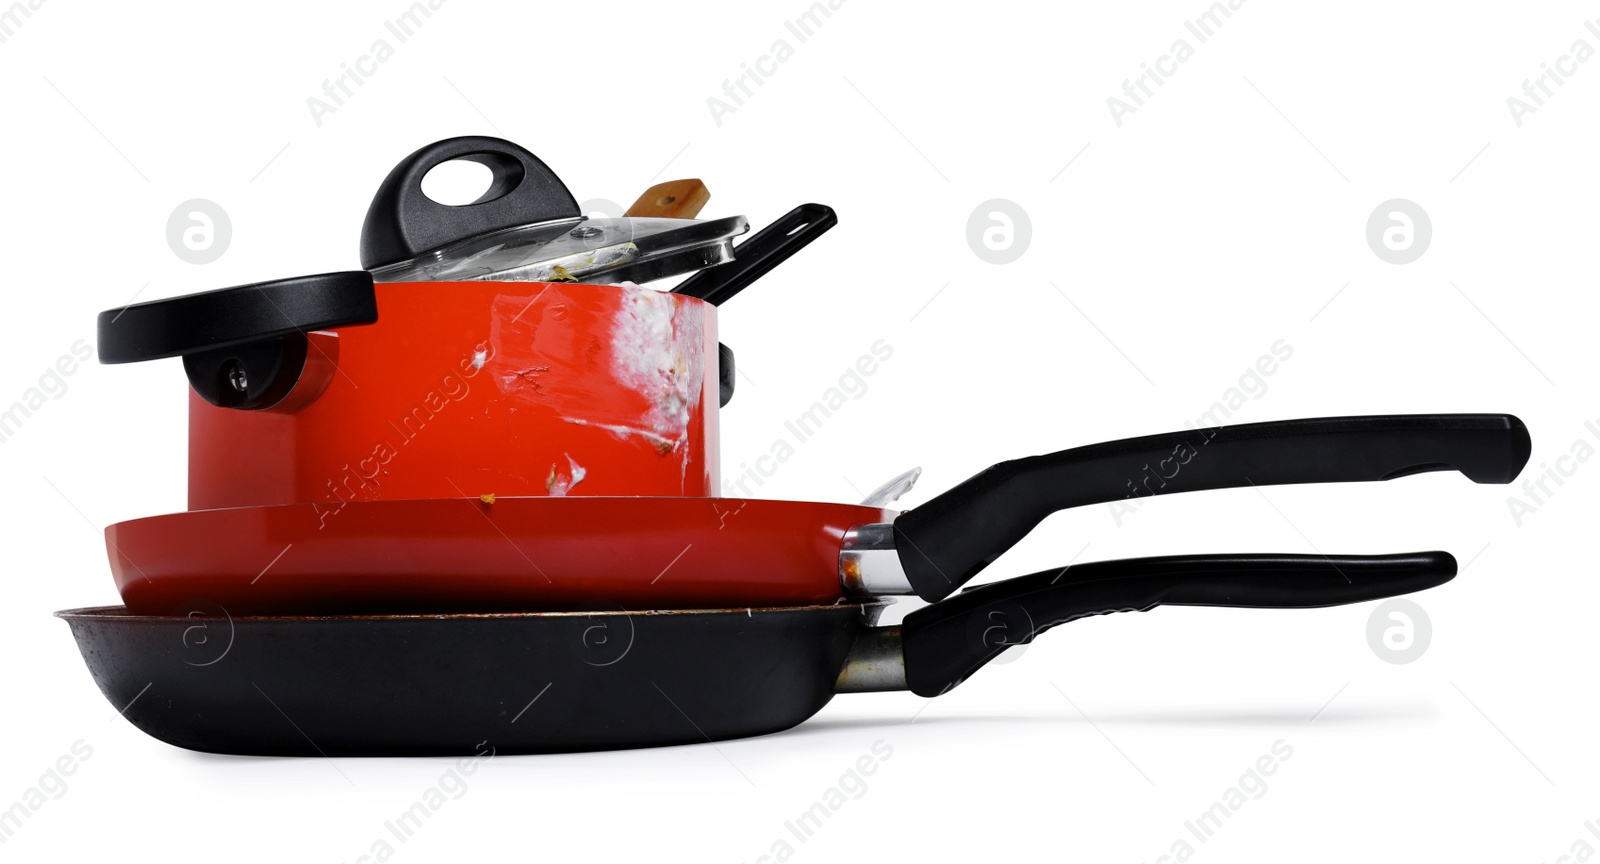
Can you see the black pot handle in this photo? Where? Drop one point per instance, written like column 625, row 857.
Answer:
column 945, row 542
column 948, row 641
column 403, row 223
column 756, row 256
column 242, row 347
column 725, row 375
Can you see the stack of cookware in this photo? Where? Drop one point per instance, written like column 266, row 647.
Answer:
column 469, row 493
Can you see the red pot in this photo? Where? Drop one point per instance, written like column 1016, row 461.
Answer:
column 494, row 348
column 481, row 388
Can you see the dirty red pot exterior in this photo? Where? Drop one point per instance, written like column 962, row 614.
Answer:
column 478, row 389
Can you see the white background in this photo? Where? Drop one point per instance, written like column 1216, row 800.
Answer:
column 1227, row 213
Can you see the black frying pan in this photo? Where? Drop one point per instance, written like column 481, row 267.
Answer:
column 546, row 682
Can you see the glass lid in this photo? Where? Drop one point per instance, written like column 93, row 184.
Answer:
column 602, row 251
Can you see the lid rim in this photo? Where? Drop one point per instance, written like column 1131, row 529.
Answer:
column 669, row 237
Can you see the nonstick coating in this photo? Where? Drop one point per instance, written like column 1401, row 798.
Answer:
column 443, row 684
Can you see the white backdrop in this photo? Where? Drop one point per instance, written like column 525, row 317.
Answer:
column 1168, row 247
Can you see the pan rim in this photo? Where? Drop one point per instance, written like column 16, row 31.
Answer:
column 121, row 613
column 519, row 501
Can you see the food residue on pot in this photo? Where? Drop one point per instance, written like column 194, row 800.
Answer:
column 558, row 484
column 657, row 351
column 625, row 360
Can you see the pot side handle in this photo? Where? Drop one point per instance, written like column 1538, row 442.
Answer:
column 245, row 347
column 948, row 641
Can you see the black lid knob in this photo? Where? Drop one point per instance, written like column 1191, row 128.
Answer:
column 403, row 223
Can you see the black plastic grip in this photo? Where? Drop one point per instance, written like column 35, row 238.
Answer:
column 403, row 223
column 948, row 641
column 726, row 375
column 756, row 256
column 948, row 540
column 228, row 317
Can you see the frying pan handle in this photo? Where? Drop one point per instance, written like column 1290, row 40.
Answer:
column 403, row 223
column 763, row 251
column 945, row 542
column 948, row 641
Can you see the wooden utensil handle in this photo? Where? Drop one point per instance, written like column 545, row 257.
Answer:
column 674, row 199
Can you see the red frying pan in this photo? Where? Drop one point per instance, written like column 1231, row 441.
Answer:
column 530, row 554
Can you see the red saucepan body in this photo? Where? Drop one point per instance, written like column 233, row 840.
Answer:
column 514, row 388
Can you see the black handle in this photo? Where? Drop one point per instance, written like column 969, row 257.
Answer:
column 948, row 540
column 948, row 641
column 756, row 256
column 403, row 223
column 242, row 347
column 725, row 375
column 233, row 316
